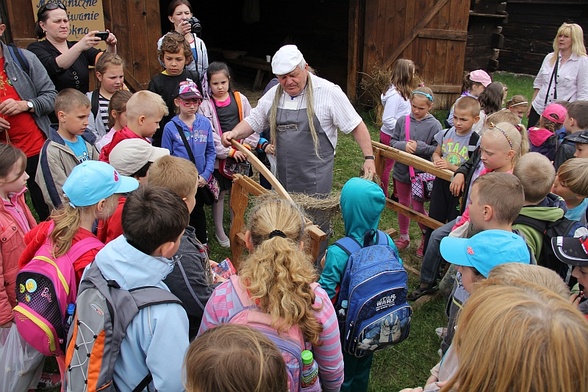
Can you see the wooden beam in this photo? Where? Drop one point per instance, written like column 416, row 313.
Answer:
column 445, row 88
column 421, row 25
column 413, row 215
column 411, row 160
column 353, row 46
column 449, row 35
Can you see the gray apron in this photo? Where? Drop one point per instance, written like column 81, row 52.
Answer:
column 298, row 167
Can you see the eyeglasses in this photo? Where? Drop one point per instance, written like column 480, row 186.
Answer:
column 190, row 103
column 50, row 7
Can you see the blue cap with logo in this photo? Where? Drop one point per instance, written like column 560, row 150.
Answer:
column 91, row 181
column 485, row 250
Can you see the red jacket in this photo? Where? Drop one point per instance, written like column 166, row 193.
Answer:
column 119, row 136
column 111, row 228
column 11, row 246
column 37, row 237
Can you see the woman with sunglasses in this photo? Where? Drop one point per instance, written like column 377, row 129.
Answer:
column 66, row 61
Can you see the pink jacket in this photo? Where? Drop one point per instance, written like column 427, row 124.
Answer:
column 11, row 246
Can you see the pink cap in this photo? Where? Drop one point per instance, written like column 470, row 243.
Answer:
column 480, row 76
column 555, row 112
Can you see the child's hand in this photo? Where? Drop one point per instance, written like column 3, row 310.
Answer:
column 201, row 181
column 441, row 163
column 240, row 156
column 457, row 184
column 270, row 149
column 411, row 146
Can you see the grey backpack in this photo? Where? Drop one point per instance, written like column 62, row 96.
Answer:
column 103, row 313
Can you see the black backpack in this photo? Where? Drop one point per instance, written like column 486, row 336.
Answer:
column 562, row 227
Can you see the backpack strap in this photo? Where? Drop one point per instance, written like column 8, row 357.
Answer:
column 239, row 102
column 17, row 55
column 150, row 295
column 536, row 224
column 473, row 143
column 185, row 141
column 348, row 245
column 95, row 102
column 84, row 245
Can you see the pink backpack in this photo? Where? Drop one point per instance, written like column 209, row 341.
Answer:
column 291, row 344
column 44, row 289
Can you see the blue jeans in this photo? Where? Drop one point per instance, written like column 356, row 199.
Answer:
column 432, row 258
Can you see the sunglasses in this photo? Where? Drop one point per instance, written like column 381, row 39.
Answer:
column 50, row 7
column 190, row 103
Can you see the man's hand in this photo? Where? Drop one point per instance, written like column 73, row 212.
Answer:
column 226, row 138
column 11, row 107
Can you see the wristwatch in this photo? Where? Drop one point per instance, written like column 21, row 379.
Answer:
column 30, row 106
column 369, row 157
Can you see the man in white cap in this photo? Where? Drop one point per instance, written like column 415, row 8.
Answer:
column 303, row 114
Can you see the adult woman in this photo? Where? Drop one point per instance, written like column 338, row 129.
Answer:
column 66, row 61
column 178, row 13
column 564, row 73
column 27, row 97
column 277, row 279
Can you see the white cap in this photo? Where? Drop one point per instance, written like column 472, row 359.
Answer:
column 286, row 59
column 130, row 155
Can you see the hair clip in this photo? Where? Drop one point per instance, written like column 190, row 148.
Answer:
column 277, row 233
column 427, row 95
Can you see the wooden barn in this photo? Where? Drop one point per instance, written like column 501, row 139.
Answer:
column 531, row 28
column 342, row 39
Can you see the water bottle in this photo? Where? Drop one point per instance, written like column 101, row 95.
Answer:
column 310, row 379
column 69, row 317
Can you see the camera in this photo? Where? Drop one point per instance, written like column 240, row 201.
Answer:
column 195, row 26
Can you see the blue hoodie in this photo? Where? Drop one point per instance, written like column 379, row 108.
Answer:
column 362, row 203
column 157, row 338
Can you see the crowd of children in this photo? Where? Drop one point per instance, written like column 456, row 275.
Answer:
column 127, row 175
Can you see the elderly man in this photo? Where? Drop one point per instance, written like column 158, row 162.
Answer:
column 303, row 114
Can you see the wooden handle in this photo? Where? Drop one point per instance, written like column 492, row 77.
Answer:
column 263, row 170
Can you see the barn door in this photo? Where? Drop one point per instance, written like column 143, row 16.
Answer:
column 432, row 33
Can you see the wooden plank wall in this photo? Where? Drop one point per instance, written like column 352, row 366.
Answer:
column 438, row 47
column 531, row 28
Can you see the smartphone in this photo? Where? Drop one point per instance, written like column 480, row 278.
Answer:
column 103, row 35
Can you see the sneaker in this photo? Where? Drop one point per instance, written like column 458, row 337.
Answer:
column 48, row 381
column 421, row 249
column 402, row 243
column 425, row 289
column 441, row 332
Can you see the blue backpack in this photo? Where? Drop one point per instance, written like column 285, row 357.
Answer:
column 371, row 306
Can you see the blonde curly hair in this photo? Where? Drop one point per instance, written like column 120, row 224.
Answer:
column 278, row 273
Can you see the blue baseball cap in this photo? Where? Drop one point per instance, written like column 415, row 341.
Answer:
column 91, row 181
column 486, row 250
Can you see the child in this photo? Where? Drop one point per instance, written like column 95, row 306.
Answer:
column 145, row 110
column 133, row 158
column 17, row 220
column 111, row 78
column 571, row 184
column 91, row 192
column 581, row 141
column 197, row 137
column 225, row 108
column 175, row 53
column 396, row 104
column 277, row 278
column 67, row 147
column 414, row 134
column 117, row 116
column 493, row 242
column 454, row 147
column 362, row 203
column 576, row 122
column 490, row 102
column 543, row 138
column 191, row 279
column 474, row 83
column 497, row 151
column 518, row 104
column 153, row 219
column 238, row 359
